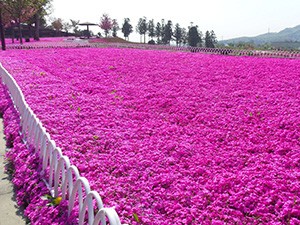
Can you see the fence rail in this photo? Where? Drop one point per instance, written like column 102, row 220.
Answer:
column 63, row 179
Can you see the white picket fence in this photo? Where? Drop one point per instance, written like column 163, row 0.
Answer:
column 63, row 178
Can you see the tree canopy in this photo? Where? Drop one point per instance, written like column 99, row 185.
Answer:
column 115, row 27
column 158, row 32
column 167, row 33
column 194, row 37
column 210, row 39
column 151, row 29
column 22, row 10
column 106, row 24
column 127, row 28
column 74, row 24
column 178, row 34
column 141, row 27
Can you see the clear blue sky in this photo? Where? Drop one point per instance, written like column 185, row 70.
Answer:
column 228, row 18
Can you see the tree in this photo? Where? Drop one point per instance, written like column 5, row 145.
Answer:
column 37, row 21
column 194, row 37
column 151, row 29
column 21, row 11
column 178, row 34
column 5, row 20
column 168, row 33
column 66, row 26
column 208, row 42
column 115, row 27
column 57, row 25
column 106, row 24
column 2, row 35
column 213, row 38
column 74, row 25
column 210, row 39
column 158, row 32
column 184, row 36
column 127, row 28
column 141, row 28
column 42, row 10
column 162, row 30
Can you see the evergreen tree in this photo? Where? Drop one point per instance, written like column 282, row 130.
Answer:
column 127, row 28
column 162, row 30
column 210, row 39
column 208, row 42
column 151, row 29
column 213, row 38
column 141, row 28
column 168, row 33
column 201, row 38
column 115, row 27
column 178, row 34
column 184, row 36
column 194, row 37
column 158, row 32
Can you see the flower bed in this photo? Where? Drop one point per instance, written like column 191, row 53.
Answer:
column 25, row 168
column 173, row 137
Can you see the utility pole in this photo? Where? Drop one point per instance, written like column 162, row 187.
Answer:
column 2, row 31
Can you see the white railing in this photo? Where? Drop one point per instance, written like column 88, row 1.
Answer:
column 62, row 178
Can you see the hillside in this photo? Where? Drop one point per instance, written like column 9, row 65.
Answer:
column 286, row 35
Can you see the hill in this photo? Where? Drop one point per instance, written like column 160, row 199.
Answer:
column 287, row 35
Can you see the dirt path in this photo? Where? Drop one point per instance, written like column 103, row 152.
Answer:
column 9, row 212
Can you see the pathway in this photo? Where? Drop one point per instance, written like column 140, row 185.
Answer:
column 9, row 212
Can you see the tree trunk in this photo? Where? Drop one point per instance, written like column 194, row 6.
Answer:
column 13, row 35
column 144, row 38
column 2, row 32
column 20, row 32
column 30, row 31
column 37, row 26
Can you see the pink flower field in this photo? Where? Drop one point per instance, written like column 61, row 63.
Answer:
column 173, row 137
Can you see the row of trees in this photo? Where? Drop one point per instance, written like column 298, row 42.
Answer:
column 163, row 32
column 17, row 12
column 14, row 13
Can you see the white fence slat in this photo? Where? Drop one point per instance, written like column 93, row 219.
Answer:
column 77, row 189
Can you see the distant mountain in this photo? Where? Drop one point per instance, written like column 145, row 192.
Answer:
column 286, row 35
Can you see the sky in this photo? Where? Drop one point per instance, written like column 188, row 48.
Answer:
column 228, row 18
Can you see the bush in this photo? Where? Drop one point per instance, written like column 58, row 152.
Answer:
column 151, row 42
